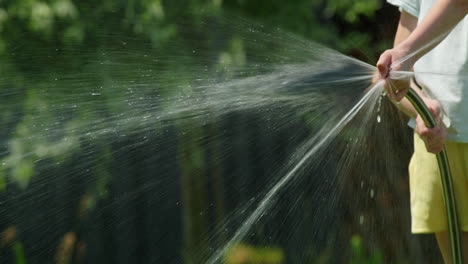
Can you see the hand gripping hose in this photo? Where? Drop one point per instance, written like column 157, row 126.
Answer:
column 446, row 177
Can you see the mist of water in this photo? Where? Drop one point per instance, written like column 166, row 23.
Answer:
column 338, row 138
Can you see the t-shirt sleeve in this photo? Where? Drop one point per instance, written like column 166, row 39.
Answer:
column 409, row 6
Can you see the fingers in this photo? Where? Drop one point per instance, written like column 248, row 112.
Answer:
column 383, row 65
column 434, row 138
column 393, row 90
column 421, row 127
column 399, row 95
column 435, row 110
column 396, row 89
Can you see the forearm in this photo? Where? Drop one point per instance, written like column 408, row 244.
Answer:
column 406, row 25
column 406, row 107
column 441, row 18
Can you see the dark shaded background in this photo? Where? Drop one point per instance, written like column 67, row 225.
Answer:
column 137, row 197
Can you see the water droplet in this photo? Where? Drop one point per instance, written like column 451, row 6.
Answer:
column 372, row 193
column 378, row 119
column 361, row 220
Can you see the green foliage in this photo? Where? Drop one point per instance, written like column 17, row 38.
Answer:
column 103, row 175
column 234, row 56
column 359, row 254
column 246, row 254
column 33, row 142
column 3, row 182
column 18, row 250
column 32, row 30
column 352, row 11
column 336, row 23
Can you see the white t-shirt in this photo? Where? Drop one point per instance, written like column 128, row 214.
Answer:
column 443, row 72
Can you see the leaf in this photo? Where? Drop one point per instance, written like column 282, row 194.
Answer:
column 18, row 249
column 23, row 172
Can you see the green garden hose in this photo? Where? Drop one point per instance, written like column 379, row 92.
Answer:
column 446, row 177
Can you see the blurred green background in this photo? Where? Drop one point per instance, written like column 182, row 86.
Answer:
column 363, row 28
column 73, row 190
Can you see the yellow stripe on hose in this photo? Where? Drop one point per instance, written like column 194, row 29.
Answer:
column 446, row 177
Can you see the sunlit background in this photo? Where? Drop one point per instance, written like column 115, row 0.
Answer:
column 153, row 131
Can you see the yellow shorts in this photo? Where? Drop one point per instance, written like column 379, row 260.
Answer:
column 427, row 205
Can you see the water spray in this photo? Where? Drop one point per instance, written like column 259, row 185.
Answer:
column 446, row 177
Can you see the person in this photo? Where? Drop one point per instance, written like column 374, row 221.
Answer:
column 432, row 40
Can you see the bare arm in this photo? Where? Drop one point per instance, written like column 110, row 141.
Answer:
column 440, row 19
column 406, row 25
